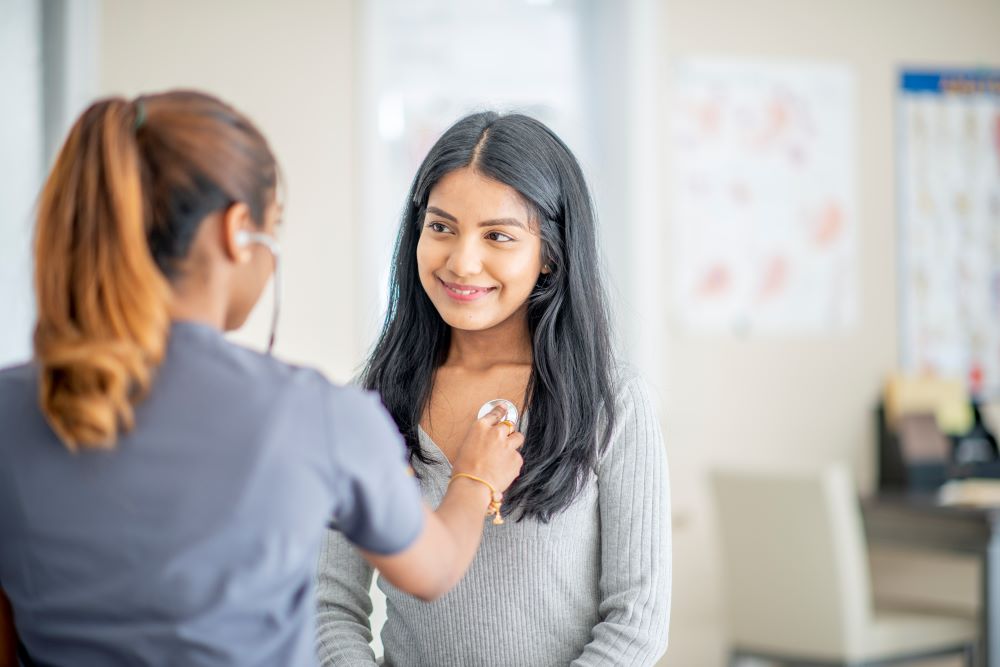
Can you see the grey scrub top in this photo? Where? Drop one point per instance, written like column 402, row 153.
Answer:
column 194, row 541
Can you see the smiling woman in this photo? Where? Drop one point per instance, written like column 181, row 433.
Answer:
column 497, row 293
column 461, row 241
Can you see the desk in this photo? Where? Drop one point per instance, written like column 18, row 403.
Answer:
column 901, row 519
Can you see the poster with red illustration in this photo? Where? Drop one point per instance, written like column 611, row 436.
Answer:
column 764, row 220
column 949, row 224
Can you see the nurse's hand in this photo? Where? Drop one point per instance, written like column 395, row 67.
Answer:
column 490, row 450
column 443, row 551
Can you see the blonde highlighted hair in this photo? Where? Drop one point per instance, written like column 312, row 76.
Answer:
column 115, row 218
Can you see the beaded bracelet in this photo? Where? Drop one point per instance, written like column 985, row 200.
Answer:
column 496, row 498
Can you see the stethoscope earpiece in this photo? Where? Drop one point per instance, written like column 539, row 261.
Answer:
column 244, row 238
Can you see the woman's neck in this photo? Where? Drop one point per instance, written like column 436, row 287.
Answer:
column 508, row 343
column 198, row 304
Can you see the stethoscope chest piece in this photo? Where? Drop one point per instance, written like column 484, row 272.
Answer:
column 511, row 415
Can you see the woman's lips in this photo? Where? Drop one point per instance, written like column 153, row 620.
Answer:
column 465, row 292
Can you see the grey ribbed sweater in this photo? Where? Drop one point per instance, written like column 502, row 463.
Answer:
column 591, row 587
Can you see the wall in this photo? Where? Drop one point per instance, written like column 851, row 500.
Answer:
column 765, row 401
column 20, row 169
column 290, row 67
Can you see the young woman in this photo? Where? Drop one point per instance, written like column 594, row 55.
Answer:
column 496, row 294
column 163, row 492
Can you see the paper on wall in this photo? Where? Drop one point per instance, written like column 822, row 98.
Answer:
column 763, row 215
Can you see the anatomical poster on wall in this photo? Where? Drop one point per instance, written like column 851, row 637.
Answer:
column 764, row 222
column 949, row 224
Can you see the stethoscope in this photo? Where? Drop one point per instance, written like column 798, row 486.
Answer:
column 511, row 415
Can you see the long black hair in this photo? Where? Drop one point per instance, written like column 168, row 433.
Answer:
column 571, row 389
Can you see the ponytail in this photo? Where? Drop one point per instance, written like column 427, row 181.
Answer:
column 116, row 220
column 103, row 305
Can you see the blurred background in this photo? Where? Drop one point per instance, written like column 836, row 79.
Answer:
column 799, row 200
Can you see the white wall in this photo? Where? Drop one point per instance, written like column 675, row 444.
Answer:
column 771, row 400
column 290, row 67
column 20, row 169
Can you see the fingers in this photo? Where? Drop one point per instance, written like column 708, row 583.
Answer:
column 516, row 440
column 496, row 415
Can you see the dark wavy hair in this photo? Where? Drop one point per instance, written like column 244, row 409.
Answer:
column 570, row 403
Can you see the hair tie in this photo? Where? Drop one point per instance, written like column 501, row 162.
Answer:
column 140, row 114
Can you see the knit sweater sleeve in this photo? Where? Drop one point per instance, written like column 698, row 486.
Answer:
column 634, row 503
column 344, row 606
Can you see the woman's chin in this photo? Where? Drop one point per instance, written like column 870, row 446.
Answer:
column 467, row 321
column 460, row 324
column 235, row 321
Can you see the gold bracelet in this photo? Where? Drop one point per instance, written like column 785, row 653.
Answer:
column 496, row 498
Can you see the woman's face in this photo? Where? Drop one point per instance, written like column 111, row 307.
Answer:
column 479, row 254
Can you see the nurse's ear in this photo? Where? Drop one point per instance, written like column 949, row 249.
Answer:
column 236, row 221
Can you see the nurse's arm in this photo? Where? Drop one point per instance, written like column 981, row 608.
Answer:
column 441, row 554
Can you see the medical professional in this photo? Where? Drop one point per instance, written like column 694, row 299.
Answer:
column 163, row 491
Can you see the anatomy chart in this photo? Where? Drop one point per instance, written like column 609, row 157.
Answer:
column 763, row 218
column 949, row 224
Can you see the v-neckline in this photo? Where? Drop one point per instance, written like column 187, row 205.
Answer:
column 521, row 422
column 440, row 452
column 425, row 437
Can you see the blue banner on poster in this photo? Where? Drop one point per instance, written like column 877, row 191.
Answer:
column 951, row 82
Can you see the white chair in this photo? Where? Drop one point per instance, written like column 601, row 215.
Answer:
column 797, row 578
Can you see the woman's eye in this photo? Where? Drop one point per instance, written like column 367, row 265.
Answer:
column 437, row 227
column 499, row 237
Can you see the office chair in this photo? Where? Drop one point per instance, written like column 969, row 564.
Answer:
column 797, row 579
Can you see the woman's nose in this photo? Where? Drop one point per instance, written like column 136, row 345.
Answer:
column 465, row 259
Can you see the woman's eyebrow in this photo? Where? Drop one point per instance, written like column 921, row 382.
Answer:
column 503, row 222
column 444, row 214
column 496, row 222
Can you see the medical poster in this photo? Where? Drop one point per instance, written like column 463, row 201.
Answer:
column 764, row 215
column 949, row 224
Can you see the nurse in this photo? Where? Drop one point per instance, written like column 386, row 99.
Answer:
column 163, row 492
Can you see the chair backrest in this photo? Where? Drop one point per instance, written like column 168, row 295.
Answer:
column 794, row 553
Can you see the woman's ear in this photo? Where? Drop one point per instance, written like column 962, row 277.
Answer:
column 235, row 221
